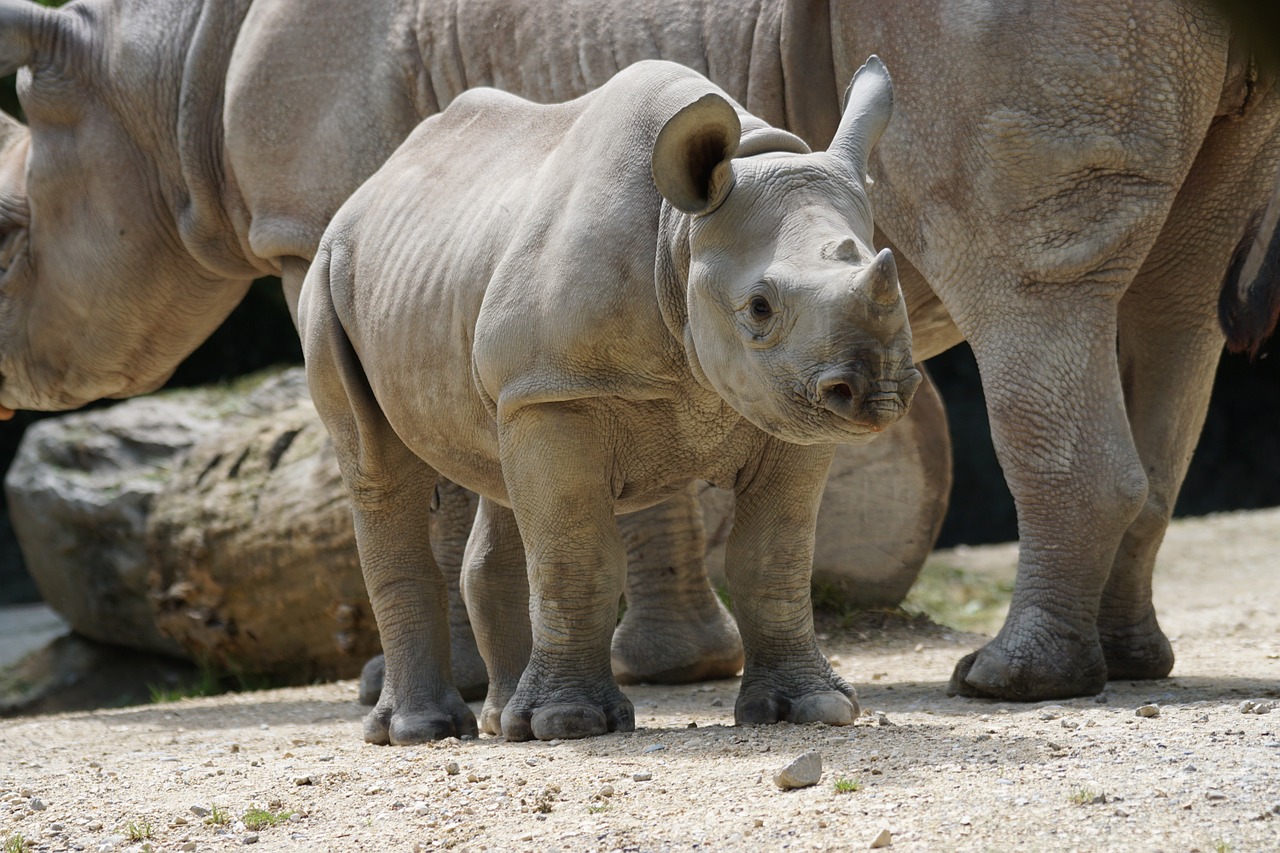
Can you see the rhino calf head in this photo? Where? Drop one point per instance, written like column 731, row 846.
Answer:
column 793, row 318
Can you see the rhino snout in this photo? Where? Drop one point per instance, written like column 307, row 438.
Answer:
column 872, row 404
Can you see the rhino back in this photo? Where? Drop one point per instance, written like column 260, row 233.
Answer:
column 506, row 251
column 321, row 91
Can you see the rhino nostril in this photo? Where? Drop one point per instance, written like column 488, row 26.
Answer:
column 840, row 392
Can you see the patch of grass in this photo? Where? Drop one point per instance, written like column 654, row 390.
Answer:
column 212, row 680
column 722, row 593
column 847, row 786
column 960, row 599
column 1083, row 796
column 256, row 819
column 217, row 816
column 17, row 843
column 598, row 808
column 1221, row 846
column 138, row 831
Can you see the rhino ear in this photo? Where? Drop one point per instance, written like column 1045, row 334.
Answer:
column 27, row 31
column 691, row 157
column 868, row 104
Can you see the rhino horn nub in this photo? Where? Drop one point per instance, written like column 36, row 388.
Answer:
column 881, row 279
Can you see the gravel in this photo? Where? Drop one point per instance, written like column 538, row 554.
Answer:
column 951, row 773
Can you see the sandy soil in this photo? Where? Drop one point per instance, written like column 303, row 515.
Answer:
column 936, row 773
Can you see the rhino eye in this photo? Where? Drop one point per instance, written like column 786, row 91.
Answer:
column 760, row 308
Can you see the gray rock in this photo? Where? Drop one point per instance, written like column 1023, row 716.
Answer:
column 80, row 491
column 642, row 776
column 803, row 772
column 883, row 839
column 200, row 811
column 1148, row 711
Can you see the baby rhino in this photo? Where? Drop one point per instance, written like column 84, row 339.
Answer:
column 574, row 310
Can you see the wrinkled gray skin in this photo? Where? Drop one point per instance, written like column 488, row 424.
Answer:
column 509, row 302
column 1058, row 177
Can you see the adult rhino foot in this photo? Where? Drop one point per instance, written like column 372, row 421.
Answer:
column 419, row 722
column 1136, row 652
column 541, row 712
column 787, row 695
column 1057, row 668
column 468, row 671
column 653, row 650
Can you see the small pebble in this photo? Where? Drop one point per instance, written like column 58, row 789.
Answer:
column 717, row 702
column 884, row 839
column 882, row 720
column 655, row 747
column 1148, row 711
column 452, row 768
column 642, row 776
column 200, row 811
column 251, row 838
column 803, row 772
column 188, row 846
column 606, row 791
column 303, row 780
column 1215, row 796
column 37, row 804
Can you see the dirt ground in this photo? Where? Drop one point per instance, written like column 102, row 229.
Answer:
column 937, row 774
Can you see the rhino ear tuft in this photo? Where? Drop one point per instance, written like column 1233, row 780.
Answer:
column 27, row 31
column 692, row 155
column 868, row 105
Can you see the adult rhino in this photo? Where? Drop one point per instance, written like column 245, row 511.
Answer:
column 135, row 214
column 1063, row 186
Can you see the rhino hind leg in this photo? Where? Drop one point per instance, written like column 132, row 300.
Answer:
column 496, row 587
column 391, row 491
column 1169, row 358
column 674, row 630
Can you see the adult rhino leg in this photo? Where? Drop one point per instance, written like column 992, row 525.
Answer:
column 1169, row 348
column 767, row 562
column 495, row 585
column 675, row 629
column 1049, row 372
column 557, row 465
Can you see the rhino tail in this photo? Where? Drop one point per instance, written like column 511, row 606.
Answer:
column 1249, row 303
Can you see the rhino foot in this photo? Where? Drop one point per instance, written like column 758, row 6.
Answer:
column 543, row 713
column 421, row 722
column 653, row 650
column 1136, row 652
column 786, row 695
column 1022, row 673
column 468, row 671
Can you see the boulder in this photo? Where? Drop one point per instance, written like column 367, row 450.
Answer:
column 80, row 491
column 252, row 557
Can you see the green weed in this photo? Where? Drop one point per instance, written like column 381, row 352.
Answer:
column 256, row 819
column 847, row 786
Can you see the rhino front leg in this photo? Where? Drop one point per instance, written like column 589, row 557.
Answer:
column 495, row 585
column 768, row 562
column 675, row 630
column 558, row 465
column 1049, row 371
column 1169, row 348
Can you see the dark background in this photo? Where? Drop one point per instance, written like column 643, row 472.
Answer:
column 1237, row 464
